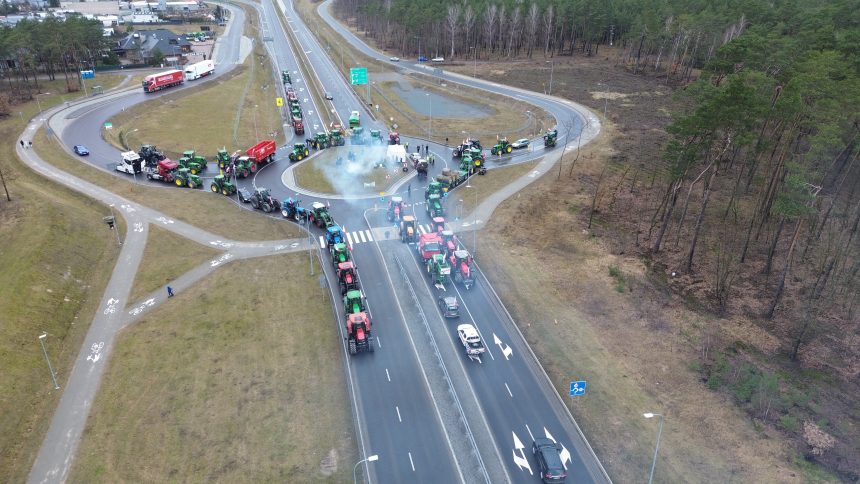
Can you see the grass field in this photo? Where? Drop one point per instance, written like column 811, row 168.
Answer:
column 166, row 257
column 321, row 173
column 212, row 212
column 57, row 255
column 244, row 385
column 485, row 185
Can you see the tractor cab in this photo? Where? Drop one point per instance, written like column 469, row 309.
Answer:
column 347, row 277
column 333, row 235
column 438, row 269
column 223, row 158
column 357, row 135
column 429, row 245
column 319, row 215
column 461, row 262
column 358, row 332
column 432, row 187
column 339, row 253
column 188, row 154
column 221, row 184
column 502, row 147
column 150, row 155
column 321, row 140
column 300, row 152
column 438, row 224
column 289, row 208
column 353, row 302
column 434, row 206
column 550, row 138
column 285, row 77
column 408, row 229
column 449, row 241
column 395, row 209
column 375, row 137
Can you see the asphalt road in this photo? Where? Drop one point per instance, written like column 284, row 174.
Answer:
column 430, row 413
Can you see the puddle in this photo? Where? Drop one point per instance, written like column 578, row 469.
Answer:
column 442, row 107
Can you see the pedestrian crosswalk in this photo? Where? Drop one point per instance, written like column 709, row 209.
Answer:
column 381, row 233
column 353, row 238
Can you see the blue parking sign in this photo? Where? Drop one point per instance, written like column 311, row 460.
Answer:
column 577, row 388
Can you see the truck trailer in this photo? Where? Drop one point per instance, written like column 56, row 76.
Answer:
column 162, row 80
column 200, row 69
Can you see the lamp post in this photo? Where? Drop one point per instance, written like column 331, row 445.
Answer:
column 419, row 47
column 657, row 447
column 475, row 226
column 37, row 100
column 475, row 74
column 551, row 70
column 529, row 113
column 430, row 108
column 255, row 122
column 372, row 458
column 53, row 376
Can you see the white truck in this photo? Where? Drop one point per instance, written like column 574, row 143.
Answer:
column 199, row 69
column 471, row 341
column 131, row 163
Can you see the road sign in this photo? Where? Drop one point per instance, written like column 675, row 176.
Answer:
column 577, row 388
column 88, row 74
column 279, row 101
column 108, row 125
column 358, row 75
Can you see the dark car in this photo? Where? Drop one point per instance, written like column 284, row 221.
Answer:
column 81, row 150
column 449, row 306
column 549, row 461
column 422, row 59
column 244, row 195
column 329, row 96
column 520, row 143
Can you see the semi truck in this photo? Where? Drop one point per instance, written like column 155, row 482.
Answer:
column 162, row 80
column 131, row 162
column 200, row 69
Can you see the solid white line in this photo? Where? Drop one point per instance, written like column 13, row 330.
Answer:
column 530, row 432
column 506, row 386
column 378, row 341
column 348, row 238
column 398, row 413
column 322, row 242
column 369, row 235
column 361, row 236
column 387, row 375
column 410, row 462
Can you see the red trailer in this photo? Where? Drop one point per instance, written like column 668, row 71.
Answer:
column 262, row 152
column 162, row 80
column 298, row 125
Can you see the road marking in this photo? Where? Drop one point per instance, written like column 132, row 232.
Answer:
column 360, row 236
column 530, row 432
column 348, row 238
column 410, row 462
column 509, row 390
column 506, row 350
column 398, row 414
column 139, row 309
column 421, row 229
column 96, row 351
column 369, row 236
column 111, row 306
column 378, row 341
column 387, row 375
column 322, row 242
column 520, row 460
column 224, row 258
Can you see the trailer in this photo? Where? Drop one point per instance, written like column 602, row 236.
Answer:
column 162, row 80
column 200, row 69
column 261, row 154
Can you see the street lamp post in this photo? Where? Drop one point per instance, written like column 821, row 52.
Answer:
column 475, row 74
column 255, row 122
column 37, row 100
column 657, row 447
column 372, row 458
column 51, row 368
column 551, row 70
column 529, row 113
column 430, row 108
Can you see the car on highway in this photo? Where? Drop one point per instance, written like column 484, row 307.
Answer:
column 81, row 150
column 546, row 451
column 329, row 96
column 394, row 59
column 422, row 58
column 438, row 59
column 449, row 306
column 471, row 341
column 520, row 144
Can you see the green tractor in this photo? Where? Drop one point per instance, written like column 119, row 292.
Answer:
column 502, row 147
column 296, row 112
column 438, row 269
column 354, row 119
column 221, row 184
column 550, row 138
column 339, row 253
column 196, row 164
column 299, row 153
column 321, row 141
column 434, row 206
column 223, row 158
column 376, row 137
column 353, row 302
column 243, row 167
column 285, row 77
column 184, row 178
column 433, row 188
column 337, row 138
column 357, row 136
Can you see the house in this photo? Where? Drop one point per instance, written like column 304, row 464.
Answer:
column 139, row 46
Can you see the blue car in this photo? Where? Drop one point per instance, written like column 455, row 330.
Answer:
column 81, row 150
column 422, row 59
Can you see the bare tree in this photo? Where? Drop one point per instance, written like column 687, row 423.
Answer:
column 548, row 18
column 502, row 20
column 468, row 23
column 490, row 17
column 531, row 28
column 453, row 21
column 514, row 28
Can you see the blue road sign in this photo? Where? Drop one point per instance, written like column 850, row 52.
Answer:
column 88, row 74
column 577, row 388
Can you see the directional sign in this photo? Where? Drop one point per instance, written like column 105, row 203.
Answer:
column 108, row 125
column 88, row 74
column 577, row 388
column 358, row 75
column 279, row 101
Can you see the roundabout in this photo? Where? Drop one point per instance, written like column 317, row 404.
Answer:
column 361, row 171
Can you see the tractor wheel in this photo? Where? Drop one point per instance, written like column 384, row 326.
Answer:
column 193, row 185
column 509, row 148
column 299, row 157
column 245, row 173
column 370, row 344
column 307, row 152
column 266, row 207
column 224, row 191
column 352, row 349
column 194, row 171
column 253, row 167
column 214, row 188
column 255, row 203
column 179, row 182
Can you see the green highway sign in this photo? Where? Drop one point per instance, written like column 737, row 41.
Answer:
column 358, row 75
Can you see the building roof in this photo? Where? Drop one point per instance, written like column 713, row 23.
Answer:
column 149, row 40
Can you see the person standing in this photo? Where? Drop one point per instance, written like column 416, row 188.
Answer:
column 409, row 191
column 169, row 291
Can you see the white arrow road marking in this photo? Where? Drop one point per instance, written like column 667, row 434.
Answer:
column 564, row 454
column 520, row 460
column 534, row 174
column 506, row 350
column 138, row 227
column 310, row 112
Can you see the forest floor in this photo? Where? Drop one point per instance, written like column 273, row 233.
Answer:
column 607, row 314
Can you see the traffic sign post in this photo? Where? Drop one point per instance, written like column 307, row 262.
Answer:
column 577, row 388
column 358, row 76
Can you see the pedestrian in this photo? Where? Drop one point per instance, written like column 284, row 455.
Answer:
column 409, row 191
column 426, row 149
column 446, row 141
column 407, row 147
column 30, row 144
column 22, row 143
column 169, row 291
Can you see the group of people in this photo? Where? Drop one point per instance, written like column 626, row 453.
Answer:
column 26, row 144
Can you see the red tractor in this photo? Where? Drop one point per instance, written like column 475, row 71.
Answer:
column 461, row 268
column 358, row 335
column 164, row 171
column 395, row 209
column 437, row 224
column 429, row 245
column 449, row 242
column 393, row 138
column 347, row 277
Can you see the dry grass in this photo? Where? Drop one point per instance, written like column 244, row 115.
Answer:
column 166, row 257
column 56, row 259
column 321, row 173
column 212, row 212
column 244, row 385
column 483, row 186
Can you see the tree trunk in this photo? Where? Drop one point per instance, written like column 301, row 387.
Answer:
column 781, row 287
column 700, row 219
column 667, row 217
column 772, row 250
